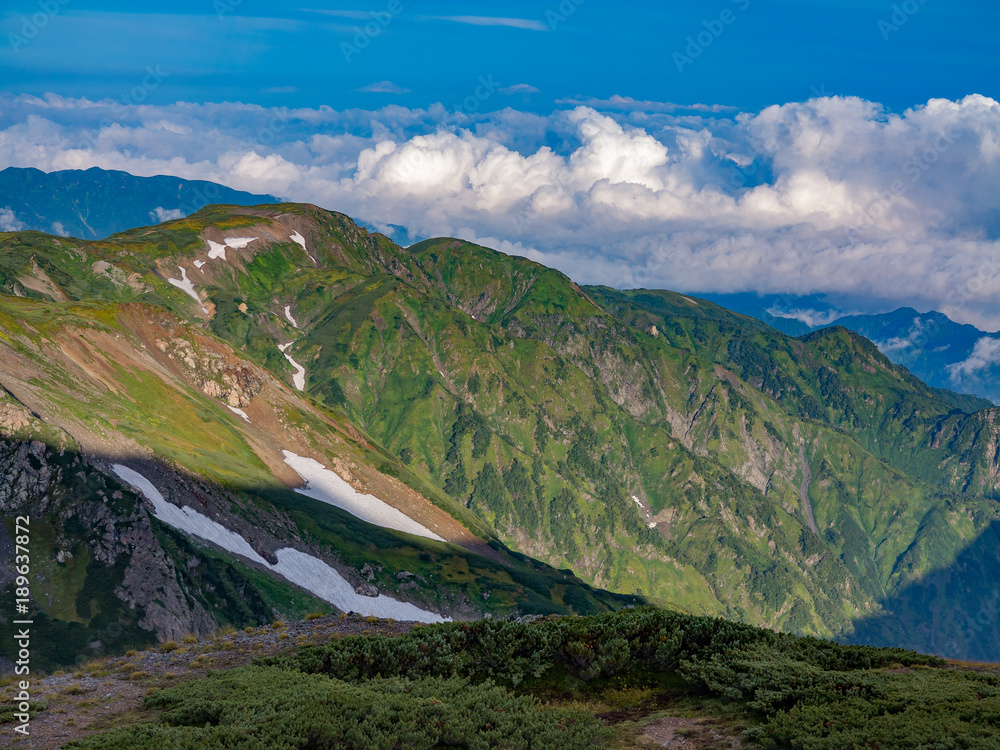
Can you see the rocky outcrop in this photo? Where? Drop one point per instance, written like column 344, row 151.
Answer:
column 91, row 514
column 216, row 374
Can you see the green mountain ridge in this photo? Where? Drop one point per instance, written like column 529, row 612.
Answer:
column 655, row 444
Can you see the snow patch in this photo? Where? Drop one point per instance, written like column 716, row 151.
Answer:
column 198, row 264
column 299, row 378
column 299, row 568
column 187, row 519
column 327, row 486
column 215, row 250
column 288, row 314
column 326, row 583
column 301, row 241
column 185, row 285
column 637, row 501
column 242, row 413
column 238, row 243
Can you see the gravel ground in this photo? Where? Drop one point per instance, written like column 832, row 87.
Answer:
column 108, row 693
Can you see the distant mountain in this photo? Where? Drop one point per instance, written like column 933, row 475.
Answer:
column 96, row 203
column 936, row 349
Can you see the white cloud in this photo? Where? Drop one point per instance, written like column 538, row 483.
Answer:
column 514, row 23
column 831, row 195
column 985, row 353
column 160, row 214
column 58, row 228
column 383, row 87
column 627, row 103
column 898, row 343
column 518, row 88
column 812, row 318
column 9, row 222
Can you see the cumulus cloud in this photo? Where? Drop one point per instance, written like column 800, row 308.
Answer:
column 9, row 222
column 161, row 214
column 985, row 353
column 832, row 195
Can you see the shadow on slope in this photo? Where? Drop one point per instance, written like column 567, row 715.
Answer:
column 953, row 612
column 106, row 575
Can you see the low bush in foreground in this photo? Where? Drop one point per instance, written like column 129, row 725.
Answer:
column 479, row 685
column 268, row 708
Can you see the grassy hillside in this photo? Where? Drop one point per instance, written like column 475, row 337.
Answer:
column 653, row 443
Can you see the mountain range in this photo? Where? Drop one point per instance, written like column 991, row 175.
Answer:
column 265, row 409
column 933, row 347
column 96, row 203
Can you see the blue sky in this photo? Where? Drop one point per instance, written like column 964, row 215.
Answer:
column 751, row 53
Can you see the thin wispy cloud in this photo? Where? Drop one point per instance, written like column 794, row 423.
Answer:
column 357, row 15
column 627, row 103
column 383, row 87
column 518, row 88
column 514, row 23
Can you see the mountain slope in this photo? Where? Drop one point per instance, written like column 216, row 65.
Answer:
column 652, row 442
column 96, row 203
column 125, row 406
column 933, row 347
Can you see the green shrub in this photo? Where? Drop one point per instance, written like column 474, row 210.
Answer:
column 267, row 708
column 585, row 647
column 471, row 685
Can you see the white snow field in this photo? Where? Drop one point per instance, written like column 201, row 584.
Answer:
column 198, row 264
column 299, row 378
column 238, row 243
column 301, row 241
column 327, row 486
column 288, row 315
column 187, row 519
column 325, row 582
column 242, row 413
column 302, row 569
column 185, row 285
column 215, row 250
